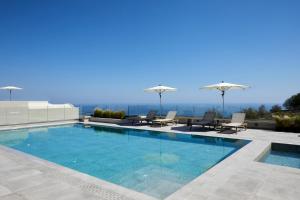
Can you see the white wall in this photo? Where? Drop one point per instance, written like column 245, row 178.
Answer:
column 21, row 112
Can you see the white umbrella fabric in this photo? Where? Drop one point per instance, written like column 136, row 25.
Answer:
column 160, row 89
column 10, row 88
column 223, row 87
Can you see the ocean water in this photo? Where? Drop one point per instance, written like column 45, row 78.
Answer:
column 154, row 163
column 189, row 110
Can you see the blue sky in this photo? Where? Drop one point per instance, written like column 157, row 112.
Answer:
column 109, row 51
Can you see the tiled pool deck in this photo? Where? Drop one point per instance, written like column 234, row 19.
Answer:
column 23, row 176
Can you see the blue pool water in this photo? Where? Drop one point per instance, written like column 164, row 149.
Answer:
column 154, row 163
column 284, row 155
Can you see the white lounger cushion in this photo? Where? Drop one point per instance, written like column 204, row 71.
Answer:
column 169, row 118
column 232, row 124
column 163, row 120
column 237, row 121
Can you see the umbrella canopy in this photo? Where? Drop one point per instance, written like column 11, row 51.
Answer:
column 160, row 89
column 223, row 87
column 10, row 88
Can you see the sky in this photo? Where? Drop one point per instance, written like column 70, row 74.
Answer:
column 109, row 51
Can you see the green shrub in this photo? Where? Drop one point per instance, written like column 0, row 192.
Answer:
column 287, row 122
column 260, row 113
column 98, row 113
column 293, row 102
column 276, row 109
column 297, row 122
column 109, row 114
column 263, row 112
column 251, row 113
column 284, row 122
column 119, row 115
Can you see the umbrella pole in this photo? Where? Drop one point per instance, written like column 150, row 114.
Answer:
column 223, row 94
column 160, row 104
column 9, row 95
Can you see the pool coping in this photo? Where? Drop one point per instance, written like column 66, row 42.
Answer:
column 247, row 155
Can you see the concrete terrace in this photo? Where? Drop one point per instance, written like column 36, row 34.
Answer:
column 239, row 176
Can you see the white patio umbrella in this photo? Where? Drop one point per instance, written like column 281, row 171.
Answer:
column 10, row 88
column 160, row 89
column 223, row 87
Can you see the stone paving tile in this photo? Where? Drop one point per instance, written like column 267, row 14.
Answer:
column 257, row 197
column 4, row 191
column 243, row 184
column 221, row 194
column 13, row 197
column 25, row 183
column 197, row 197
column 77, row 195
column 45, row 191
column 16, row 174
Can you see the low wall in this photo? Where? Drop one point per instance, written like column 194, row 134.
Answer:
column 18, row 113
column 262, row 124
column 108, row 120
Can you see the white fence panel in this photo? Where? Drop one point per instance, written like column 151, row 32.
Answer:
column 2, row 116
column 71, row 113
column 16, row 116
column 21, row 115
column 56, row 114
column 38, row 115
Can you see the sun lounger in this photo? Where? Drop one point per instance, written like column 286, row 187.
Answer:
column 207, row 120
column 237, row 121
column 141, row 119
column 170, row 118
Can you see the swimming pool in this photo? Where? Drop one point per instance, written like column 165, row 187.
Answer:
column 154, row 163
column 283, row 154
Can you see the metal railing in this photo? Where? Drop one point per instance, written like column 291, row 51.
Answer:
column 188, row 110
